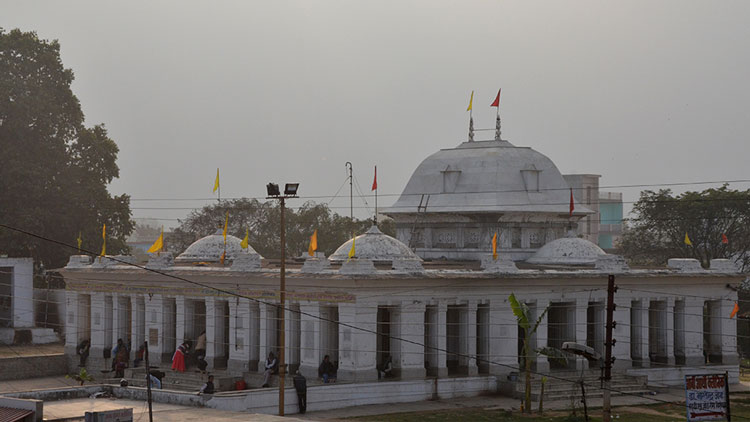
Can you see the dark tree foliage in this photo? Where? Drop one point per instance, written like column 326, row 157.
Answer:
column 54, row 171
column 657, row 232
column 263, row 220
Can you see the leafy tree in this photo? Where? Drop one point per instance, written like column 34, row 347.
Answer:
column 525, row 320
column 657, row 232
column 54, row 171
column 263, row 220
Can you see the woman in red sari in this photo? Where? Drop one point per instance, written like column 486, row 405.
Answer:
column 178, row 359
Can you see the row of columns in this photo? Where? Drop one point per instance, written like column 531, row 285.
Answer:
column 425, row 337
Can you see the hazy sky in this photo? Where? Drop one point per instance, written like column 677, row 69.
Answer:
column 641, row 92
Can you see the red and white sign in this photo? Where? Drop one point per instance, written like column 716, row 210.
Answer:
column 707, row 397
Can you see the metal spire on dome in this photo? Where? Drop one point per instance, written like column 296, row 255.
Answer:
column 470, row 109
column 496, row 104
column 471, row 129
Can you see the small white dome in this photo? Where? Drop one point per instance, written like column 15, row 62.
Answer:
column 376, row 246
column 567, row 251
column 210, row 248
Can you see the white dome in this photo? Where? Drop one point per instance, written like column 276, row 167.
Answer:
column 567, row 251
column 211, row 247
column 484, row 177
column 376, row 246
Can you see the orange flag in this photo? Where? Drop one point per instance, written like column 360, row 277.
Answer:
column 223, row 257
column 735, row 310
column 313, row 243
column 724, row 239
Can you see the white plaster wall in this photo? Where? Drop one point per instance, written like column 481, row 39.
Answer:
column 336, row 396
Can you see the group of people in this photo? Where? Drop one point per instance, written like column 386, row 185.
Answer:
column 183, row 354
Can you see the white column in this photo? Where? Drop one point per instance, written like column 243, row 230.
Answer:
column 581, row 321
column 410, row 362
column 542, row 364
column 215, row 341
column 347, row 318
column 311, row 339
column 239, row 335
column 669, row 330
column 98, row 330
column 471, row 337
column 692, row 335
column 254, row 335
column 292, row 338
column 154, row 327
column 137, row 320
column 22, row 293
column 729, row 354
column 436, row 340
column 357, row 341
column 267, row 333
column 72, row 329
column 639, row 329
column 180, row 323
column 366, row 342
column 117, row 321
column 621, row 334
column 503, row 339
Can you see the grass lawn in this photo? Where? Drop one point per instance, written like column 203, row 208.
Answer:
column 643, row 413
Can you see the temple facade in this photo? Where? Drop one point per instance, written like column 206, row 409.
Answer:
column 386, row 302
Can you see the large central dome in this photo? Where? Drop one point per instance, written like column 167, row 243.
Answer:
column 487, row 177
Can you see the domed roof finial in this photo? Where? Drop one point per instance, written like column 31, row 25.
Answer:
column 470, row 109
column 496, row 104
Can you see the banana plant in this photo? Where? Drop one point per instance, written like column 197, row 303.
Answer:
column 524, row 318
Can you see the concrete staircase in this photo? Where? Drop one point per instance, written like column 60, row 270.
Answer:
column 181, row 381
column 569, row 387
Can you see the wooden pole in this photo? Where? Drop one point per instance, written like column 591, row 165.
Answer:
column 148, row 384
column 608, row 343
column 282, row 320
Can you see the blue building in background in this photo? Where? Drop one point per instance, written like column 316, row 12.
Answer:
column 610, row 219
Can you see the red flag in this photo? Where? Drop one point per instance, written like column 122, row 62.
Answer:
column 375, row 180
column 496, row 103
column 572, row 206
column 735, row 310
column 724, row 239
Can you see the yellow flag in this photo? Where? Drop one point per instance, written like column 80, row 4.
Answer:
column 226, row 223
column 158, row 244
column 216, row 183
column 351, row 251
column 687, row 240
column 104, row 240
column 80, row 241
column 313, row 243
column 471, row 101
column 223, row 257
column 246, row 241
column 494, row 246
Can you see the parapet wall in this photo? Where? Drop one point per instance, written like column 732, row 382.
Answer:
column 32, row 366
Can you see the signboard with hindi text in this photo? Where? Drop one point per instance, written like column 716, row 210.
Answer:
column 707, row 397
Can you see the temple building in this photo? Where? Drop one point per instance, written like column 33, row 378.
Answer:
column 432, row 321
column 446, row 324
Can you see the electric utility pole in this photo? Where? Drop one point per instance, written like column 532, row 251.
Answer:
column 608, row 344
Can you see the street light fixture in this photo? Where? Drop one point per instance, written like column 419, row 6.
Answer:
column 290, row 191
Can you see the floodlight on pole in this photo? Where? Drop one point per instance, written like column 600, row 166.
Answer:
column 290, row 191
